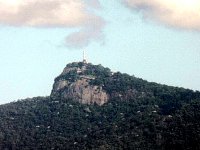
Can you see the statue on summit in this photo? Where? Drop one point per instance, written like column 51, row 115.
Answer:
column 84, row 57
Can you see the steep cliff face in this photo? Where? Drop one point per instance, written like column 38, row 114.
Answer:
column 74, row 83
column 89, row 84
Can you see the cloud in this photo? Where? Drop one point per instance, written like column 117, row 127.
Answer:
column 55, row 14
column 184, row 14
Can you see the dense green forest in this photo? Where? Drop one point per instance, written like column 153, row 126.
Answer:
column 159, row 117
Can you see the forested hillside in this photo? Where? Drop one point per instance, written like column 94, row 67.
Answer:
column 138, row 115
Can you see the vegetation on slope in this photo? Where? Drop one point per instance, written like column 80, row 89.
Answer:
column 42, row 123
column 160, row 117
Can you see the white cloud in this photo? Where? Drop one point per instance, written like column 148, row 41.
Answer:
column 55, row 13
column 183, row 14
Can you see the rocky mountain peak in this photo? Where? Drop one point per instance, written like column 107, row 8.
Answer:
column 75, row 82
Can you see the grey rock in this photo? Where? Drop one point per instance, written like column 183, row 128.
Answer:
column 79, row 90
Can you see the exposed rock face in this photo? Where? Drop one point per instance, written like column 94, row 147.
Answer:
column 79, row 89
column 89, row 84
column 84, row 93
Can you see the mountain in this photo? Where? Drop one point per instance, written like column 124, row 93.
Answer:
column 91, row 107
column 76, row 82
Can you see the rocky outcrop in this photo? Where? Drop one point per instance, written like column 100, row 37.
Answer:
column 80, row 89
column 84, row 93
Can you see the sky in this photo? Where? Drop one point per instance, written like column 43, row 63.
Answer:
column 157, row 40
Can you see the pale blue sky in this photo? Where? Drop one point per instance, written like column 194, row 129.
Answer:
column 32, row 57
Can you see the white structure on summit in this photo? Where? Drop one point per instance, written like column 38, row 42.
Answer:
column 84, row 57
